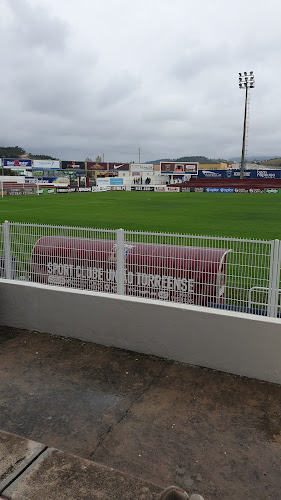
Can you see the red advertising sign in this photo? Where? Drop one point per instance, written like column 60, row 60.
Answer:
column 178, row 168
column 94, row 165
column 114, row 167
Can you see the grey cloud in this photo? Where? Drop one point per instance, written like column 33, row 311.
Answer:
column 119, row 87
column 81, row 81
column 35, row 27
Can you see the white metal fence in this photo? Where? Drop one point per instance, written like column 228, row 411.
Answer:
column 230, row 273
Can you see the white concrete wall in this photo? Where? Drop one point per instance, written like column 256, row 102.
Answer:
column 12, row 178
column 231, row 342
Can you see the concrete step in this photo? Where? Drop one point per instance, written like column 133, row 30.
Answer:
column 32, row 471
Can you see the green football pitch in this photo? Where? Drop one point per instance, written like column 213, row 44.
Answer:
column 242, row 215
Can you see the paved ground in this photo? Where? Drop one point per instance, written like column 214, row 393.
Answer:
column 30, row 471
column 165, row 423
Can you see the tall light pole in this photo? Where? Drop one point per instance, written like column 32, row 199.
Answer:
column 246, row 81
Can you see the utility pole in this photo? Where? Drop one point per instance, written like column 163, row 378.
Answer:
column 245, row 82
column 139, row 154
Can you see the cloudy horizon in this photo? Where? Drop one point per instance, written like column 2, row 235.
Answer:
column 82, row 79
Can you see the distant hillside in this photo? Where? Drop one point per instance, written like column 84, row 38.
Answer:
column 274, row 162
column 17, row 152
column 199, row 159
column 258, row 158
column 11, row 152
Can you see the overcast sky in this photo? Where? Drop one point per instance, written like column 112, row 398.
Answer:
column 83, row 78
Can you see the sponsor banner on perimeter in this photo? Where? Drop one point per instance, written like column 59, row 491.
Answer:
column 272, row 190
column 141, row 167
column 192, row 190
column 67, row 189
column 116, row 181
column 94, row 165
column 235, row 174
column 114, row 167
column 73, row 165
column 18, row 191
column 46, row 164
column 16, row 162
column 144, row 188
column 178, row 168
column 219, row 190
column 250, row 190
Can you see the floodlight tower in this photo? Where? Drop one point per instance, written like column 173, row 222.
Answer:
column 246, row 81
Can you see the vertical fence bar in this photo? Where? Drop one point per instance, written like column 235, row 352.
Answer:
column 120, row 268
column 273, row 287
column 7, row 251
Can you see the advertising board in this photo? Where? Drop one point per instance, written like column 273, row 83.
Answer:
column 143, row 188
column 116, row 181
column 46, row 164
column 219, row 190
column 192, row 190
column 248, row 174
column 141, row 167
column 85, row 189
column 97, row 166
column 268, row 174
column 249, row 190
column 73, row 165
column 178, row 168
column 188, row 275
column 19, row 191
column 103, row 182
column 210, row 174
column 235, row 174
column 117, row 188
column 256, row 190
column 171, row 189
column 16, row 162
column 272, row 190
column 113, row 167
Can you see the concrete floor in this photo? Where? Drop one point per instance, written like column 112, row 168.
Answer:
column 166, row 423
column 31, row 471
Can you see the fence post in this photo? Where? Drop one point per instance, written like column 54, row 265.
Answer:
column 120, row 268
column 7, row 251
column 273, row 287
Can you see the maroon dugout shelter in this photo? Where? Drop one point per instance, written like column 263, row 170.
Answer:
column 188, row 275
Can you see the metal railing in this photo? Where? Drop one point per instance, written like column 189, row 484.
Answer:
column 236, row 274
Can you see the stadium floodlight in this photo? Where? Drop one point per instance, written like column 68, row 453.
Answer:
column 247, row 81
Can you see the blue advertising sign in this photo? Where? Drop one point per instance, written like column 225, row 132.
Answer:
column 219, row 190
column 16, row 163
column 210, row 174
column 116, row 181
column 212, row 190
column 235, row 174
column 226, row 190
column 268, row 174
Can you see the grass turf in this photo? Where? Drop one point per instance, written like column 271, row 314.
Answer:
column 242, row 215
